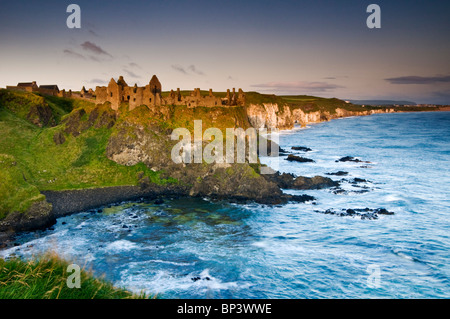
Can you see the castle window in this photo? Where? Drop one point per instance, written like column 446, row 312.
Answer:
column 111, row 94
column 134, row 100
column 128, row 97
column 150, row 99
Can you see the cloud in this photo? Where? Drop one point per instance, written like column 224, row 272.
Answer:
column 134, row 65
column 131, row 74
column 93, row 33
column 419, row 79
column 178, row 68
column 74, row 54
column 98, row 81
column 92, row 47
column 93, row 58
column 337, row 77
column 193, row 69
column 298, row 86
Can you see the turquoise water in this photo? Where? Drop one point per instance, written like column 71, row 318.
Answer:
column 193, row 248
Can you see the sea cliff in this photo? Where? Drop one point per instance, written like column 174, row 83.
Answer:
column 61, row 155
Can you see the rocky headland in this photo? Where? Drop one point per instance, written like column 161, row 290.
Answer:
column 62, row 155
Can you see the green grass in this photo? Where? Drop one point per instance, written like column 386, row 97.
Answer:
column 16, row 194
column 20, row 103
column 31, row 162
column 46, row 278
column 80, row 162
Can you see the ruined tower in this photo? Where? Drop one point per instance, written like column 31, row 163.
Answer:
column 151, row 96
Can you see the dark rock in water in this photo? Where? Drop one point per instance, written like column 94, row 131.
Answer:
column 359, row 180
column 206, row 278
column 340, row 173
column 301, row 198
column 383, row 211
column 350, row 159
column 195, row 279
column 282, row 151
column 363, row 213
column 294, row 158
column 362, row 191
column 289, row 181
column 158, row 201
column 301, row 148
column 284, row 180
column 339, row 190
column 63, row 223
column 316, row 182
column 124, row 226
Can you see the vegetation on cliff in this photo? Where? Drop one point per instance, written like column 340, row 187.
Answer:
column 46, row 278
column 36, row 154
column 53, row 144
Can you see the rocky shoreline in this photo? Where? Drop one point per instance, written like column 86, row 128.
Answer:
column 74, row 201
column 265, row 189
column 63, row 203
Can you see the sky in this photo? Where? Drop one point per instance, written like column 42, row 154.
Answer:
column 316, row 47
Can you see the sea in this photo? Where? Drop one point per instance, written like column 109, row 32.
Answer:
column 196, row 248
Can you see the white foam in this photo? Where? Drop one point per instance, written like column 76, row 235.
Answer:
column 392, row 198
column 80, row 225
column 261, row 244
column 121, row 245
column 164, row 281
column 172, row 262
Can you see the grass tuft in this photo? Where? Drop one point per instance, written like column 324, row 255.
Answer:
column 46, row 278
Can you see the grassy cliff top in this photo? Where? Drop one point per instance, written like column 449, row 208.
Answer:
column 66, row 153
column 46, row 278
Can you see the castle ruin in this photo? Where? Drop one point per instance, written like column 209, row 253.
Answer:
column 43, row 89
column 150, row 95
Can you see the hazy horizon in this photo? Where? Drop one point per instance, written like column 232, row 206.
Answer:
column 318, row 48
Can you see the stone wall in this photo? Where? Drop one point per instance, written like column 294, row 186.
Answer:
column 150, row 95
